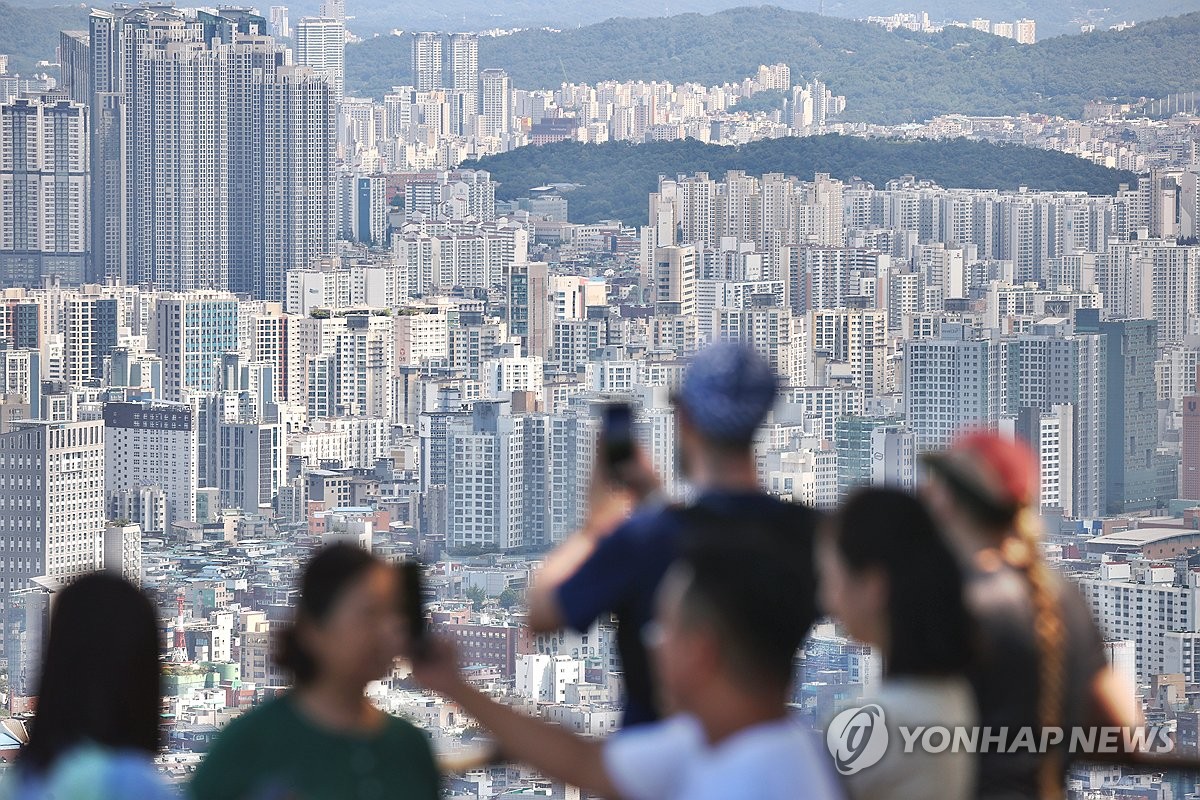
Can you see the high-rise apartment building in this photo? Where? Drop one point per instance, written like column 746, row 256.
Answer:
column 1189, row 441
column 90, row 323
column 950, row 383
column 75, row 66
column 321, row 45
column 152, row 444
column 334, row 9
column 250, row 463
column 43, row 191
column 281, row 27
column 856, row 337
column 496, row 478
column 1055, row 387
column 191, row 333
column 463, row 65
column 1136, row 478
column 495, row 103
column 674, row 282
column 528, row 306
column 212, row 157
column 427, row 61
column 1025, row 31
column 51, row 502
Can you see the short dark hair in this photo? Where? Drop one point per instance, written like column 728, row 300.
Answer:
column 891, row 530
column 100, row 680
column 753, row 590
column 328, row 574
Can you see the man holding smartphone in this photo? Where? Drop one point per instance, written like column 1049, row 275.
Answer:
column 616, row 561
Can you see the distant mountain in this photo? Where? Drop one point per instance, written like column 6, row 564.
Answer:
column 616, row 177
column 379, row 16
column 29, row 35
column 887, row 76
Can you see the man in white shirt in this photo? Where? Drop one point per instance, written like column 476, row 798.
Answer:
column 728, row 623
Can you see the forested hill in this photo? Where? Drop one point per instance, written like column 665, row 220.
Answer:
column 616, row 177
column 887, row 76
column 30, row 35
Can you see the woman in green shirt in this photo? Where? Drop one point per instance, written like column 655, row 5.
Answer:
column 323, row 740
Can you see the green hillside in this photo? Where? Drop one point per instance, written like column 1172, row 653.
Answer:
column 617, row 177
column 886, row 76
column 30, row 35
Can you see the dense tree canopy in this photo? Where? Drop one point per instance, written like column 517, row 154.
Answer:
column 616, row 178
column 30, row 35
column 887, row 76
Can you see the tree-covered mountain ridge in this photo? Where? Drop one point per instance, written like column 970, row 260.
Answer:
column 615, row 179
column 887, row 76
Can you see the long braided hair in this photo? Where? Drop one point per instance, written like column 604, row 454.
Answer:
column 1020, row 551
column 1013, row 523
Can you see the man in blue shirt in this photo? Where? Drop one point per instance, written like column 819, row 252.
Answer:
column 615, row 562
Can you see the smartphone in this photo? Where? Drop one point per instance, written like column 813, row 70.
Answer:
column 616, row 434
column 413, row 589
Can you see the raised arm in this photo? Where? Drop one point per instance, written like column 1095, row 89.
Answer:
column 610, row 500
column 548, row 748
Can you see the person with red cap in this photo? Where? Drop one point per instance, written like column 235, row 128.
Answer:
column 1040, row 661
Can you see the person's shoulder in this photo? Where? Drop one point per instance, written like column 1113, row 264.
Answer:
column 134, row 775
column 270, row 714
column 768, row 762
column 102, row 773
column 405, row 732
column 652, row 760
column 944, row 700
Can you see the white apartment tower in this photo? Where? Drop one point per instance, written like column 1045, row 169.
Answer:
column 51, row 502
column 427, row 61
column 43, row 191
column 152, row 444
column 212, row 155
column 463, row 61
column 321, row 45
column 950, row 383
column 496, row 103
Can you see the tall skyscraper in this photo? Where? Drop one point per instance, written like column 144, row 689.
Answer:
column 463, row 62
column 427, row 61
column 674, row 285
column 75, row 65
column 496, row 103
column 51, row 502
column 212, row 156
column 1189, row 440
column 281, row 27
column 44, row 187
column 321, row 45
column 950, row 383
column 192, row 331
column 334, row 9
column 90, row 323
column 1136, row 478
column 152, row 445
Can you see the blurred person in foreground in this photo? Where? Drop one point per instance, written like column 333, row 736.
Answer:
column 96, row 730
column 723, row 640
column 616, row 561
column 888, row 575
column 323, row 738
column 1040, row 659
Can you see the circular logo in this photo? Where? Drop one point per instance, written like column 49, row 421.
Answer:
column 857, row 738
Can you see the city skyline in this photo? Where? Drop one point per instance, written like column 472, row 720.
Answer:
column 246, row 312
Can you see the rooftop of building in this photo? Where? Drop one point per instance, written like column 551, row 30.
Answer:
column 1140, row 537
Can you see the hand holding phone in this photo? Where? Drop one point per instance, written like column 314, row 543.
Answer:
column 616, row 436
